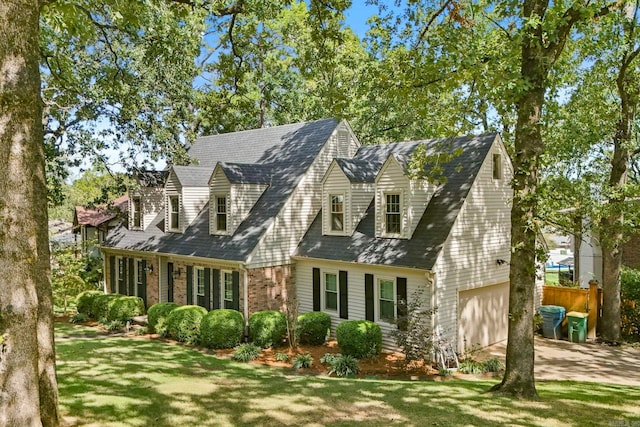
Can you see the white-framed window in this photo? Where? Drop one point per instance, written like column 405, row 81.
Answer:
column 331, row 291
column 386, row 300
column 139, row 276
column 497, row 166
column 221, row 213
column 174, row 213
column 336, row 208
column 392, row 213
column 121, row 274
column 136, row 211
column 227, row 289
column 199, row 277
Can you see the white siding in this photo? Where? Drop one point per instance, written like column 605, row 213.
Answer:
column 480, row 236
column 361, row 196
column 219, row 187
column 336, row 183
column 193, row 200
column 419, row 195
column 392, row 179
column 152, row 204
column 297, row 214
column 172, row 188
column 356, row 297
column 243, row 197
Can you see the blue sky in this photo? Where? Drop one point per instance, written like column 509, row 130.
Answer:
column 357, row 15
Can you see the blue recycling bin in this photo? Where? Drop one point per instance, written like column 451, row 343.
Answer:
column 552, row 317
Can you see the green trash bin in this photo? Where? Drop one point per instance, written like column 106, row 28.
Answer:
column 577, row 323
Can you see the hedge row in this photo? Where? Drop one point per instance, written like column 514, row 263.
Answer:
column 109, row 307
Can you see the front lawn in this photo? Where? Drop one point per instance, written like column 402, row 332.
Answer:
column 115, row 381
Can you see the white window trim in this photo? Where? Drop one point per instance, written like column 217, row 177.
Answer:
column 323, row 296
column 378, row 281
column 119, row 271
column 223, row 287
column 137, row 262
column 196, row 277
column 497, row 169
column 133, row 212
column 215, row 212
column 384, row 214
column 170, row 209
column 344, row 215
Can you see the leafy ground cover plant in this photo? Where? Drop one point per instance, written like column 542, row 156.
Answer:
column 302, row 361
column 246, row 352
column 341, row 365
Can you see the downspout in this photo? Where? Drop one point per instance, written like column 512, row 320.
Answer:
column 104, row 270
column 430, row 276
column 245, row 308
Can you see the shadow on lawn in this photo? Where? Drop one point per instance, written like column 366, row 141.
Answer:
column 127, row 381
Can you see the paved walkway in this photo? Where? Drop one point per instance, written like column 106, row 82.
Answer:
column 563, row 360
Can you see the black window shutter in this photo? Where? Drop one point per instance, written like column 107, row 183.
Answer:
column 132, row 278
column 368, row 297
column 112, row 274
column 189, row 285
column 401, row 299
column 216, row 289
column 344, row 301
column 142, row 290
column 207, row 288
column 235, row 280
column 316, row 289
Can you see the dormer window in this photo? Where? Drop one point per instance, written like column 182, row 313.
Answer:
column 221, row 213
column 174, row 213
column 337, row 212
column 136, row 207
column 393, row 223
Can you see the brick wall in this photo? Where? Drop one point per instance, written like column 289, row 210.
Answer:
column 631, row 252
column 270, row 288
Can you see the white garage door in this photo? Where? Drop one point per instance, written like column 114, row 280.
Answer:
column 483, row 315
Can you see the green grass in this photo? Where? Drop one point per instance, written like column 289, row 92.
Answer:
column 112, row 381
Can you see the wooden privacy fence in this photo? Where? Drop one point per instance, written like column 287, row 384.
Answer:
column 573, row 299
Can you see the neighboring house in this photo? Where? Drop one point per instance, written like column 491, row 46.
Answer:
column 92, row 225
column 304, row 213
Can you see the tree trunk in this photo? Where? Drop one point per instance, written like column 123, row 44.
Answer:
column 611, row 225
column 27, row 361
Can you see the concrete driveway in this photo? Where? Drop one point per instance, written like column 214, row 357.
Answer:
column 563, row 360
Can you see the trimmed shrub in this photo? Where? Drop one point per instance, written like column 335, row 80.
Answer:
column 267, row 328
column 313, row 327
column 100, row 305
column 125, row 308
column 183, row 323
column 159, row 311
column 246, row 353
column 84, row 301
column 359, row 338
column 222, row 329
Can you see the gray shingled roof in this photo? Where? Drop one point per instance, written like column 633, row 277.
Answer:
column 359, row 170
column 421, row 251
column 287, row 150
column 242, row 173
column 148, row 178
column 193, row 176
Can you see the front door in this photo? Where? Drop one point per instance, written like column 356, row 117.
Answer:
column 170, row 282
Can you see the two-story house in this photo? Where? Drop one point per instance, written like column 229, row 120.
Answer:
column 225, row 232
column 304, row 213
